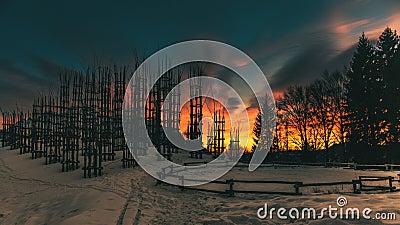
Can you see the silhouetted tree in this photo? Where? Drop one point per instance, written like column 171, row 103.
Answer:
column 337, row 82
column 360, row 105
column 322, row 109
column 387, row 61
column 392, row 98
column 359, row 91
column 256, row 131
column 265, row 126
column 296, row 104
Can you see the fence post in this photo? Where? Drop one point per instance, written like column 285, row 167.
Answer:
column 231, row 193
column 297, row 185
column 391, row 189
column 355, row 190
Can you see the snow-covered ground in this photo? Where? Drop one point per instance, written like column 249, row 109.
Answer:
column 34, row 193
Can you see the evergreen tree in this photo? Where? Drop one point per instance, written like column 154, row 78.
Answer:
column 392, row 81
column 388, row 60
column 386, row 47
column 360, row 92
column 256, row 131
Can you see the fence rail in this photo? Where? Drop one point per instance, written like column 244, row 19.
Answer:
column 364, row 187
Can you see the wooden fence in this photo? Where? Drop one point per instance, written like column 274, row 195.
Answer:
column 358, row 186
column 365, row 187
column 296, row 185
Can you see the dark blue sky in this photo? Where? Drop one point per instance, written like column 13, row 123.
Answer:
column 293, row 41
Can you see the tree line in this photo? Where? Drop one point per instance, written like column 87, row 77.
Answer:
column 353, row 114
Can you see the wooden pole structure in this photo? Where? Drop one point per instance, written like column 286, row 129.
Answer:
column 218, row 145
column 158, row 114
column 196, row 109
column 70, row 121
column 37, row 129
column 104, row 111
column 234, row 145
column 90, row 129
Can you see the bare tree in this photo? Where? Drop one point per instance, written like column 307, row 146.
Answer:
column 296, row 104
column 322, row 105
column 337, row 82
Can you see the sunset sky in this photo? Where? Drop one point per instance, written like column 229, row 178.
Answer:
column 292, row 41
